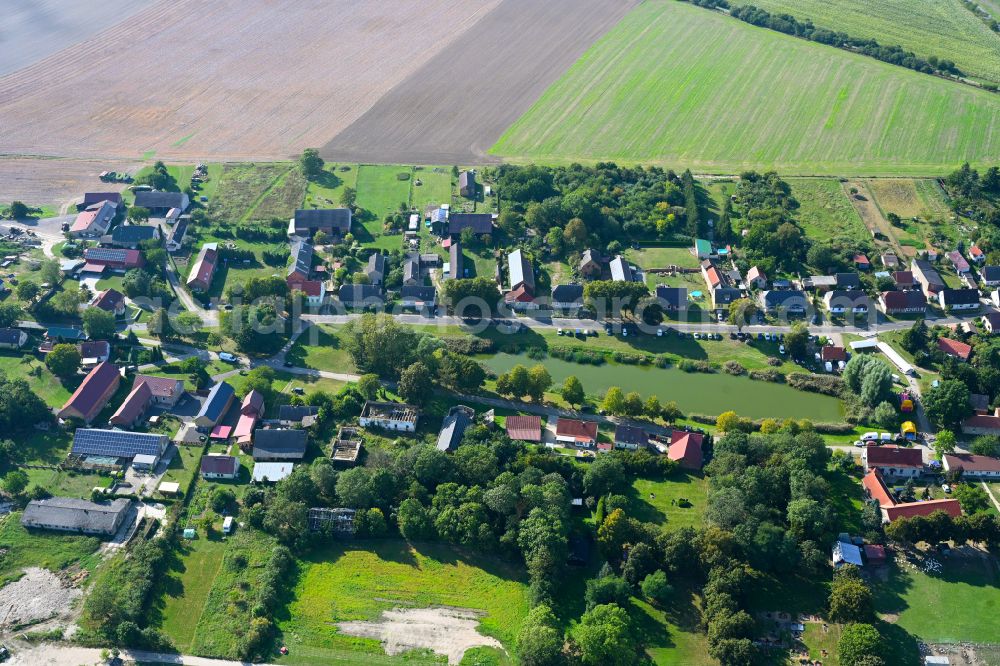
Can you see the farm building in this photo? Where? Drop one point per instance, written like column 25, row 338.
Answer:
column 250, row 412
column 301, row 267
column 723, row 297
column 876, row 489
column 846, row 553
column 110, row 300
column 903, row 280
column 12, row 338
column 630, row 437
column 133, row 407
column 334, row 222
column 91, row 198
column 591, row 264
column 567, row 297
column 94, row 221
column 220, row 399
column 576, row 432
column 928, row 278
column 524, row 428
column 165, row 392
column 848, row 281
column 100, row 258
column 903, row 302
column 481, row 224
column 972, row 466
column 203, row 270
column 160, row 203
column 893, row 460
column 271, row 472
column 141, row 450
column 93, row 352
column 131, row 236
column 297, row 415
column 361, row 296
column 418, row 297
column 455, row 270
column 467, row 185
column 955, row 349
column 219, row 467
column 389, row 416
column 685, row 448
column 982, row 424
column 346, row 447
column 279, row 445
column 68, row 514
column 842, row 301
column 455, row 423
column 92, row 394
column 959, row 299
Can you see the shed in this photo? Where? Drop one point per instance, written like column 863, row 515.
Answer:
column 169, row 488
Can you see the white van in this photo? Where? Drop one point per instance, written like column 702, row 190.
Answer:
column 227, row 357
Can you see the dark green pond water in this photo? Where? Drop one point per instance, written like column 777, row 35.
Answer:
column 693, row 392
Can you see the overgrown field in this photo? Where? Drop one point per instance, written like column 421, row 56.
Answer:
column 359, row 581
column 678, row 85
column 825, row 211
column 942, row 28
column 252, row 192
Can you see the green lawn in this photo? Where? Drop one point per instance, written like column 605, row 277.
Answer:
column 661, row 257
column 435, row 187
column 675, row 84
column 320, row 348
column 358, row 581
column 195, row 565
column 184, row 466
column 657, row 501
column 380, row 192
column 325, row 191
column 41, row 548
column 47, row 386
column 958, row 604
column 182, row 174
column 944, row 28
column 825, row 212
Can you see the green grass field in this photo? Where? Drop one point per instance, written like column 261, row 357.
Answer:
column 656, row 501
column 39, row 548
column 360, row 580
column 325, row 191
column 380, row 192
column 47, row 386
column 965, row 593
column 188, row 583
column 943, row 28
column 678, row 85
column 825, row 211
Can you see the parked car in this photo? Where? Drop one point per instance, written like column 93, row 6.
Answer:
column 227, row 357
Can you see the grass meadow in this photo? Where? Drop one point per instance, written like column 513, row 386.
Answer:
column 41, row 548
column 943, row 28
column 360, row 580
column 825, row 212
column 678, row 85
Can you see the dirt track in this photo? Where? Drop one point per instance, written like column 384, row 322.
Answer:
column 257, row 79
column 455, row 107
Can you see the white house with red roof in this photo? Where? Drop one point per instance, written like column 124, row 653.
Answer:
column 893, row 460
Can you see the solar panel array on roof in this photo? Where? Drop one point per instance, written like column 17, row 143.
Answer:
column 106, row 254
column 117, row 443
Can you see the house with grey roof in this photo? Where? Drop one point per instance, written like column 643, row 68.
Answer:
column 467, row 184
column 68, row 514
column 480, row 223
column 12, row 338
column 361, row 296
column 791, row 301
column 131, row 236
column 275, row 445
column 621, row 270
column 455, row 423
column 567, row 297
column 418, row 297
column 160, row 203
column 672, row 299
column 376, row 268
column 334, row 222
column 302, row 260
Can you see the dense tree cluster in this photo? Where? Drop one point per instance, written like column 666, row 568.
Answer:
column 977, row 196
column 773, row 240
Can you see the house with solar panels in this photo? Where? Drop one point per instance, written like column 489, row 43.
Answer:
column 94, row 446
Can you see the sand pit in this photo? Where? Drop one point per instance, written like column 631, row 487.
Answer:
column 252, row 80
column 447, row 631
column 36, row 596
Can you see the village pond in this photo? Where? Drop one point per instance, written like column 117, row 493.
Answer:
column 694, row 392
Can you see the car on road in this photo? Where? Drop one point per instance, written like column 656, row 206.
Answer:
column 288, row 364
column 228, row 358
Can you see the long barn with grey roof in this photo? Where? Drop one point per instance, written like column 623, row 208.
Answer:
column 69, row 514
column 219, row 399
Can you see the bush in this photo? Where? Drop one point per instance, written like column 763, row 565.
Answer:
column 687, row 365
column 825, row 384
column 470, row 345
column 767, row 376
column 734, row 368
column 656, row 588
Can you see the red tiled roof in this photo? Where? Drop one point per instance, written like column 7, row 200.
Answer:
column 982, row 421
column 874, row 552
column 520, row 295
column 92, row 394
column 902, row 277
column 893, row 456
column 204, row 269
column 876, row 488
column 161, row 387
column 110, row 300
column 219, row 464
column 94, row 349
column 252, row 402
column 93, row 268
column 712, row 276
column 308, row 287
column 135, row 404
column 955, row 348
column 830, row 353
column 926, row 508
column 580, row 430
column 84, row 220
column 524, row 428
column 861, row 259
column 972, row 463
column 685, row 447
